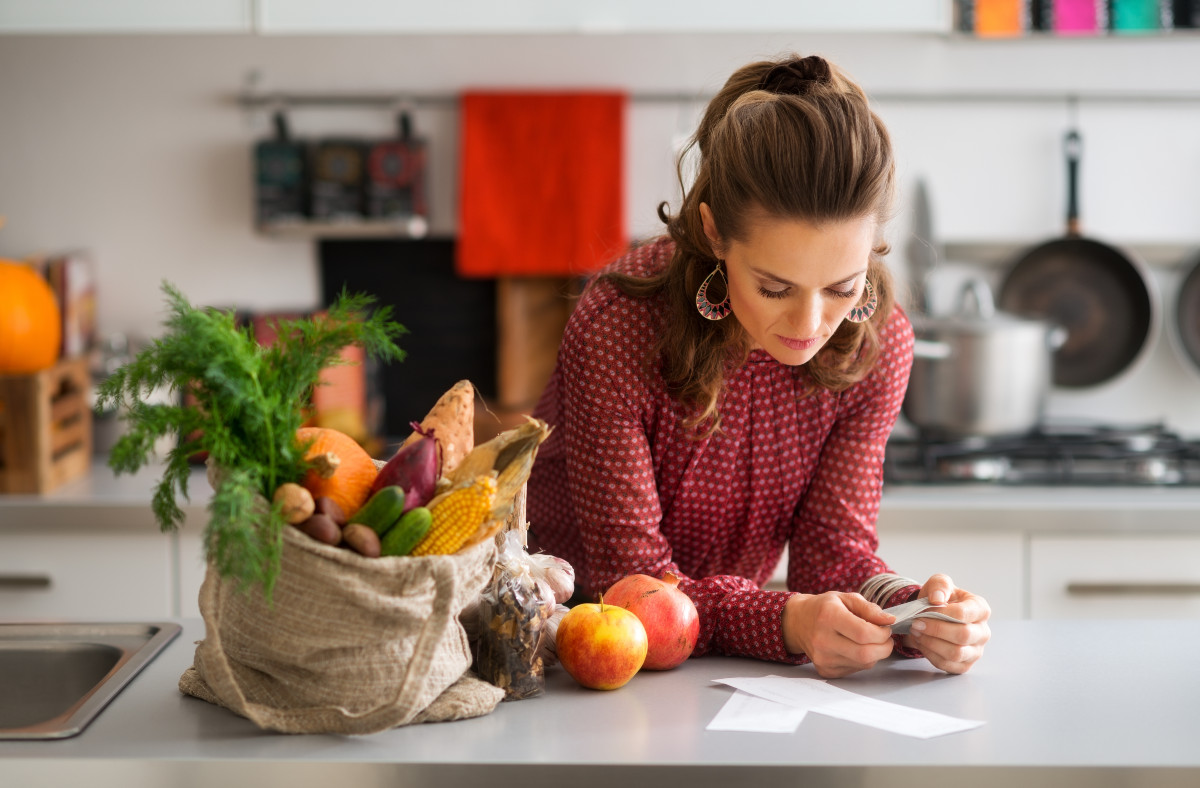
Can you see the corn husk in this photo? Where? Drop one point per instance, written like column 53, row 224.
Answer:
column 510, row 454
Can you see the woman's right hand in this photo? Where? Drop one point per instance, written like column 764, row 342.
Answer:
column 840, row 632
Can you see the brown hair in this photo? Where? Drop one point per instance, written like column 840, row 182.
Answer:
column 794, row 139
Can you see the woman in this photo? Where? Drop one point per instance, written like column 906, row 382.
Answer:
column 728, row 389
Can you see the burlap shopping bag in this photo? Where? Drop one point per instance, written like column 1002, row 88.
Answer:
column 349, row 644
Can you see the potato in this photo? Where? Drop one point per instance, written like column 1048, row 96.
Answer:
column 362, row 539
column 322, row 528
column 331, row 509
column 296, row 503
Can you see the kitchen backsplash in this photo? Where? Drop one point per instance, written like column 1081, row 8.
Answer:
column 135, row 149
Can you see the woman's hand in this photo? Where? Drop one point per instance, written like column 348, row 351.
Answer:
column 953, row 648
column 840, row 632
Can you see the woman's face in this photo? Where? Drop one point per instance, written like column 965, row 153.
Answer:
column 791, row 283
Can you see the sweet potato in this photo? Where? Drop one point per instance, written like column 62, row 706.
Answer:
column 452, row 419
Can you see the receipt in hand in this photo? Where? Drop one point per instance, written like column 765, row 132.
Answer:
column 918, row 608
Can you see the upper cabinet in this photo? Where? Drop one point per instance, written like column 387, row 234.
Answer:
column 127, row 16
column 609, row 16
column 318, row 17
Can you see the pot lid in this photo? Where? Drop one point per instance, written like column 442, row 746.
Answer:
column 977, row 314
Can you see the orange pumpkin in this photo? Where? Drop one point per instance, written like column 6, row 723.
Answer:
column 30, row 322
column 348, row 479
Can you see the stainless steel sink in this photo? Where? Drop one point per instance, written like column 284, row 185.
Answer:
column 56, row 677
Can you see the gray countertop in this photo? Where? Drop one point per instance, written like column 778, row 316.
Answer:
column 1068, row 509
column 101, row 500
column 1055, row 697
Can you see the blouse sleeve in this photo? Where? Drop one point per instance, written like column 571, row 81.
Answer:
column 834, row 539
column 617, row 509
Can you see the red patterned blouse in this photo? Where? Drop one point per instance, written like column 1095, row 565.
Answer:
column 620, row 487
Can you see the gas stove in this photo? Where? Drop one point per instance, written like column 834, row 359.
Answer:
column 1076, row 454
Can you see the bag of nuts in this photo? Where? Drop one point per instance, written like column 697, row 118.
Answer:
column 511, row 614
column 518, row 613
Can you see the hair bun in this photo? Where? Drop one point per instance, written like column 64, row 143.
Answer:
column 798, row 76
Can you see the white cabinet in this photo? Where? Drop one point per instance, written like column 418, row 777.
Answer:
column 611, row 16
column 1086, row 576
column 126, row 16
column 191, row 569
column 990, row 564
column 1023, row 574
column 86, row 576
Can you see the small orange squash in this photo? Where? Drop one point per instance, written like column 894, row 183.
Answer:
column 30, row 322
column 345, row 470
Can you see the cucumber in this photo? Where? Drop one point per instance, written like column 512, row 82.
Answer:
column 382, row 510
column 410, row 529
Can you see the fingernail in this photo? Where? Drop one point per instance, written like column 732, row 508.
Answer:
column 918, row 626
column 938, row 597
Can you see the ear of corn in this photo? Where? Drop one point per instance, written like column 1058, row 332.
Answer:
column 479, row 461
column 457, row 516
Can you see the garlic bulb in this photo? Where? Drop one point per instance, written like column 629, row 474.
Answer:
column 557, row 573
column 546, row 648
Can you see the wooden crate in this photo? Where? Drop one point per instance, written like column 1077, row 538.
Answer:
column 45, row 427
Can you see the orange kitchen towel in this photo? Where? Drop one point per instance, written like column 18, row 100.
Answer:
column 541, row 187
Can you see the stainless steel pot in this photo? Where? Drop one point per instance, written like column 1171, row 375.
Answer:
column 980, row 372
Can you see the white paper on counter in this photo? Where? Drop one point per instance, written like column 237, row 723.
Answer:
column 800, row 693
column 824, row 698
column 746, row 712
column 893, row 717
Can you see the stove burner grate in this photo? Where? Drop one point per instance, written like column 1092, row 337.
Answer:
column 1051, row 455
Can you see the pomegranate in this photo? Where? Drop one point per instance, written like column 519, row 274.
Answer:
column 669, row 616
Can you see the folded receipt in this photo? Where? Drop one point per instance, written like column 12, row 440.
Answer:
column 778, row 704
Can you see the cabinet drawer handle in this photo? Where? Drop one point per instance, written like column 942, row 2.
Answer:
column 1133, row 589
column 24, row 581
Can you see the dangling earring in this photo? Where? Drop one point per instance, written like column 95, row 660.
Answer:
column 707, row 308
column 863, row 312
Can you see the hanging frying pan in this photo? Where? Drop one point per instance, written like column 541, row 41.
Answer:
column 1101, row 295
column 1187, row 315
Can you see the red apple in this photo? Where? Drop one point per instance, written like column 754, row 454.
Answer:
column 669, row 616
column 602, row 646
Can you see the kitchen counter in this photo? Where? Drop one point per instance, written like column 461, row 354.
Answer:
column 101, row 499
column 1135, row 509
column 1060, row 709
column 1003, row 542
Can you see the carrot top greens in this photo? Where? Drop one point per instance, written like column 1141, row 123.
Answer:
column 249, row 400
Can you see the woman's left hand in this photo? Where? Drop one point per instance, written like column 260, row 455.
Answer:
column 951, row 647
